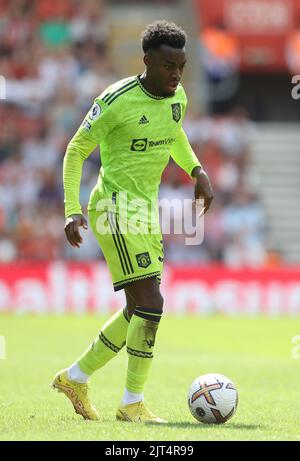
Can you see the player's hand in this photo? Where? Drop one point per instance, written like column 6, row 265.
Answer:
column 203, row 189
column 72, row 225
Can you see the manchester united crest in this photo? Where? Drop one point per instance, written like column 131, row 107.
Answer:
column 143, row 260
column 176, row 111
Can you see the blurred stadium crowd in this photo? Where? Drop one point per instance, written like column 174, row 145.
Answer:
column 55, row 58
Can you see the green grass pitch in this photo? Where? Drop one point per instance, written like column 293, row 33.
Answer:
column 256, row 353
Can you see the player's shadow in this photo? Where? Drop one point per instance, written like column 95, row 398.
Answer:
column 197, row 426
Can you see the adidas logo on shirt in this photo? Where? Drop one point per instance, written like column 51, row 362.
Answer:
column 143, row 120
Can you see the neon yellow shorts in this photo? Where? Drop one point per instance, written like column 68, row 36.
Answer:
column 130, row 256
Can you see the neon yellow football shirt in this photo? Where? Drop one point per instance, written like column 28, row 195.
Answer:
column 137, row 132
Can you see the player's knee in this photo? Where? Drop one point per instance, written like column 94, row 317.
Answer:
column 146, row 294
column 159, row 301
column 154, row 300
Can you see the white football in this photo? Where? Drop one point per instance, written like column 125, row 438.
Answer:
column 213, row 398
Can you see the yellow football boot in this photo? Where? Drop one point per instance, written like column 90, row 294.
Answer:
column 137, row 413
column 77, row 393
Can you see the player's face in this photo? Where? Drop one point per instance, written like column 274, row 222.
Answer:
column 165, row 68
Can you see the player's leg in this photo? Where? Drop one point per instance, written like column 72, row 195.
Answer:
column 140, row 344
column 73, row 381
column 112, row 337
column 108, row 343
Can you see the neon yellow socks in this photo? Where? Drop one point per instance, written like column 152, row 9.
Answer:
column 110, row 341
column 139, row 333
column 140, row 342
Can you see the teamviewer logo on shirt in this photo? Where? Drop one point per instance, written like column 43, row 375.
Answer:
column 139, row 144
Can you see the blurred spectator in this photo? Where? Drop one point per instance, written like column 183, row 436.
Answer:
column 220, row 52
column 244, row 224
column 220, row 57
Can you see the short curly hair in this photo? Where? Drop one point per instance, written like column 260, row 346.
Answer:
column 163, row 33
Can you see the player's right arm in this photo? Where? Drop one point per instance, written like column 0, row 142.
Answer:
column 96, row 125
column 79, row 148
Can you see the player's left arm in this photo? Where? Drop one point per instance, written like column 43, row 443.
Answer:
column 185, row 157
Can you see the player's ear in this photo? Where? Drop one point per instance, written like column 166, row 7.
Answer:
column 146, row 59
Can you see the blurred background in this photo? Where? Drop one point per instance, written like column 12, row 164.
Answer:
column 243, row 56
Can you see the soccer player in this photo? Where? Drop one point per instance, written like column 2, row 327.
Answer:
column 138, row 124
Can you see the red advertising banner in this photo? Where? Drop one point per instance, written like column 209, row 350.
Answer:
column 80, row 288
column 261, row 27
